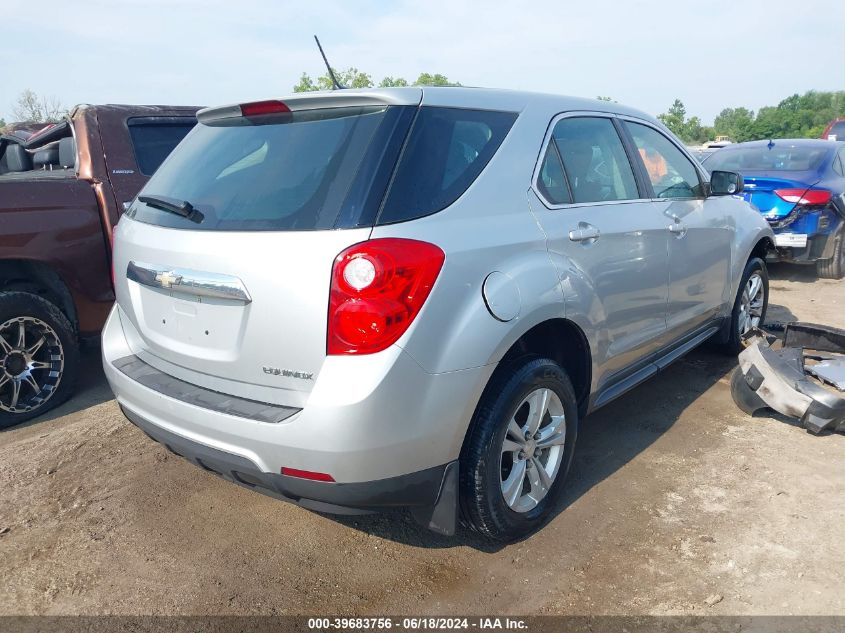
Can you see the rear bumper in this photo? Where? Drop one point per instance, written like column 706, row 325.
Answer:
column 819, row 246
column 411, row 490
column 383, row 428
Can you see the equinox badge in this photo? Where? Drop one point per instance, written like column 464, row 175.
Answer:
column 275, row 371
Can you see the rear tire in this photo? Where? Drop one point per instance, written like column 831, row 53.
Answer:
column 39, row 356
column 498, row 460
column 750, row 313
column 834, row 267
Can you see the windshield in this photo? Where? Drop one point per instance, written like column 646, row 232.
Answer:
column 764, row 158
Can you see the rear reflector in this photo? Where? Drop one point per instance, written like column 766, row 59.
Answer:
column 306, row 474
column 258, row 108
column 804, row 196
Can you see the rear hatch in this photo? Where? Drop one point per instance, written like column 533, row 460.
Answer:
column 223, row 266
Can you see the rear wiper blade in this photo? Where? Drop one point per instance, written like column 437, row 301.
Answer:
column 179, row 207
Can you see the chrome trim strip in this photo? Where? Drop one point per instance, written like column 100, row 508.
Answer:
column 187, row 281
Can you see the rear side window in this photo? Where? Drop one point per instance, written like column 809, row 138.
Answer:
column 551, row 180
column 596, row 166
column 672, row 174
column 446, row 151
column 839, row 163
column 153, row 138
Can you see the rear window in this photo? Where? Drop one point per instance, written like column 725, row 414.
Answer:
column 763, row 158
column 153, row 138
column 324, row 169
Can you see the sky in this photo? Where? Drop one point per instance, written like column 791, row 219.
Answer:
column 643, row 53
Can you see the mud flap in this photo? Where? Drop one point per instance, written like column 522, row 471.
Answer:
column 442, row 517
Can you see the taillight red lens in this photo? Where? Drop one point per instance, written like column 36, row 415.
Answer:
column 378, row 288
column 804, row 196
column 258, row 108
column 306, row 474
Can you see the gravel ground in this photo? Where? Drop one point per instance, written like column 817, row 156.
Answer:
column 678, row 504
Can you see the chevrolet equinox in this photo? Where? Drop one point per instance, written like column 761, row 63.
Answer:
column 409, row 298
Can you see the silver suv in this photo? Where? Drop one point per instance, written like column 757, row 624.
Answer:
column 408, row 298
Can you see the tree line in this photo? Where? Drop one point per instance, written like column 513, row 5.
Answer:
column 798, row 116
column 354, row 78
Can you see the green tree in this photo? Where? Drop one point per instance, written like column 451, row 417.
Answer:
column 353, row 78
column 349, row 78
column 427, row 79
column 688, row 130
column 735, row 123
column 675, row 118
column 391, row 82
column 2, row 125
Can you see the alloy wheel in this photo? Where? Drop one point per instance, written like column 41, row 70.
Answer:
column 751, row 304
column 31, row 364
column 532, row 450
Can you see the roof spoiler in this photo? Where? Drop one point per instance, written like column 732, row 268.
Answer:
column 319, row 100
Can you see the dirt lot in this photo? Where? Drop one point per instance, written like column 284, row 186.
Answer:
column 677, row 500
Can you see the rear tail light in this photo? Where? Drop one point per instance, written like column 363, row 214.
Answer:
column 378, row 288
column 258, row 108
column 813, row 197
column 306, row 474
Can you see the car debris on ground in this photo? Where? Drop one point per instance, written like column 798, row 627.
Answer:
column 801, row 376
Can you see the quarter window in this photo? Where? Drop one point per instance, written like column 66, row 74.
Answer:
column 551, row 181
column 594, row 160
column 672, row 174
column 839, row 163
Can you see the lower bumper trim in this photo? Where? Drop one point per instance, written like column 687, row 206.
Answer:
column 431, row 488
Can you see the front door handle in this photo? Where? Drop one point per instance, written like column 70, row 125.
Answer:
column 584, row 233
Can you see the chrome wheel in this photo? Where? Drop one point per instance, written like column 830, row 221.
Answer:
column 31, row 364
column 751, row 304
column 532, row 450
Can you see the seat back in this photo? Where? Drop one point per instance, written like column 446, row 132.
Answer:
column 67, row 152
column 17, row 158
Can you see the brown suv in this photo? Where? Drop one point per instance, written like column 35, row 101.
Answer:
column 61, row 192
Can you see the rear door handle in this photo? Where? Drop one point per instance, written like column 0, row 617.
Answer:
column 584, row 233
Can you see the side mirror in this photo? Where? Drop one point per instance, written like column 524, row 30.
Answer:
column 726, row 183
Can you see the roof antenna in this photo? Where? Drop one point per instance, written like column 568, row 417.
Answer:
column 336, row 85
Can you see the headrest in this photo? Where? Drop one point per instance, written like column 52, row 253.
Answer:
column 17, row 158
column 67, row 152
column 46, row 156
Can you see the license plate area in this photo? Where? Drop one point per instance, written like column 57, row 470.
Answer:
column 176, row 324
column 792, row 240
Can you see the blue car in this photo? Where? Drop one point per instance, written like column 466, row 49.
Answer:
column 799, row 187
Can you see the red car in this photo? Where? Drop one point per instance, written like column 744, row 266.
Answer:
column 835, row 130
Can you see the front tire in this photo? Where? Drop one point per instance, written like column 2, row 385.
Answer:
column 518, row 450
column 39, row 355
column 751, row 304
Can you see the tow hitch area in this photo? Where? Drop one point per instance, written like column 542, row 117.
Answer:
column 802, row 377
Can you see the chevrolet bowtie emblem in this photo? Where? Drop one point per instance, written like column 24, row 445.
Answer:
column 168, row 279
